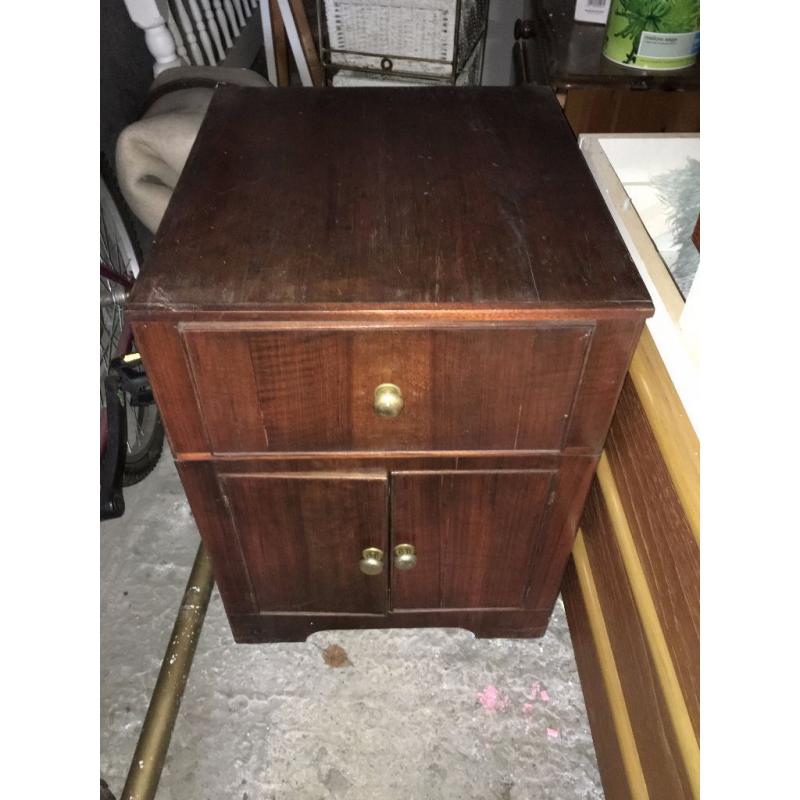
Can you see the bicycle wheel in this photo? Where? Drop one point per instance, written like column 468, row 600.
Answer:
column 119, row 266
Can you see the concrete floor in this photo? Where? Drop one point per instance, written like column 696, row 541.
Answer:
column 415, row 715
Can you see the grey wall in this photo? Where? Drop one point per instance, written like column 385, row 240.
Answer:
column 497, row 64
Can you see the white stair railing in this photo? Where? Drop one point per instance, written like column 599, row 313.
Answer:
column 175, row 30
column 199, row 32
column 231, row 14
column 151, row 16
column 237, row 4
column 188, row 32
column 222, row 21
column 202, row 33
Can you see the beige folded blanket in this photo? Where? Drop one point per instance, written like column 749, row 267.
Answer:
column 151, row 153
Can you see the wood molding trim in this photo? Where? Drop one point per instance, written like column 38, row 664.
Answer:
column 605, row 656
column 677, row 440
column 654, row 635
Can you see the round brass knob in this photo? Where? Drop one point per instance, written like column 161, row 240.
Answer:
column 405, row 556
column 371, row 561
column 388, row 400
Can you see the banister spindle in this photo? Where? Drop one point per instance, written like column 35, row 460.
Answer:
column 211, row 24
column 200, row 25
column 237, row 4
column 222, row 21
column 175, row 30
column 151, row 16
column 231, row 14
column 188, row 33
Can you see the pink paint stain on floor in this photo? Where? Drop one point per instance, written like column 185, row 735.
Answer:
column 552, row 733
column 527, row 708
column 544, row 696
column 492, row 700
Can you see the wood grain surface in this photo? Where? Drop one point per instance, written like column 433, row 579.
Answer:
column 302, row 536
column 607, row 745
column 658, row 748
column 463, row 389
column 386, row 196
column 474, row 534
column 665, row 545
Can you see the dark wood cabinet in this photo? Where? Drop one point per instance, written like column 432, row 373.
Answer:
column 426, row 356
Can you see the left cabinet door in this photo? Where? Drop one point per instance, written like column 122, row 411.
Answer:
column 302, row 535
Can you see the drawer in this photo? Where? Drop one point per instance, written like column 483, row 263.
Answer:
column 502, row 388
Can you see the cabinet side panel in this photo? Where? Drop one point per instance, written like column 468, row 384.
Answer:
column 165, row 361
column 553, row 547
column 213, row 519
column 611, row 350
column 222, row 361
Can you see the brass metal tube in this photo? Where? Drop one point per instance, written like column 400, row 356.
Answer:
column 151, row 749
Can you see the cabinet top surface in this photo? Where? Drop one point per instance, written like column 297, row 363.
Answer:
column 386, row 198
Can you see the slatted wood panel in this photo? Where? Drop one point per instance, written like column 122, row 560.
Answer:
column 665, row 545
column 644, row 558
column 655, row 738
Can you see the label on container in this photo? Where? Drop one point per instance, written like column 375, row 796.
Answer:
column 592, row 11
column 669, row 45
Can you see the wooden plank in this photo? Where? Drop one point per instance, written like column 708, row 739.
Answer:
column 667, row 551
column 615, row 745
column 280, row 44
column 679, row 717
column 656, row 741
column 307, row 40
column 604, row 110
column 677, row 440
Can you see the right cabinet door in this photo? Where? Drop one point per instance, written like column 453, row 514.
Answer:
column 475, row 535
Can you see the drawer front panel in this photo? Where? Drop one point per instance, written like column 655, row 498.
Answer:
column 474, row 535
column 290, row 391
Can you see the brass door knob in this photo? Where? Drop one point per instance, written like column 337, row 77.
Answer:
column 388, row 400
column 405, row 556
column 371, row 561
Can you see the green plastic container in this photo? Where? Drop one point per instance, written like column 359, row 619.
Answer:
column 653, row 34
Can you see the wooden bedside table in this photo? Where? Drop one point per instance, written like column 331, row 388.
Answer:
column 387, row 329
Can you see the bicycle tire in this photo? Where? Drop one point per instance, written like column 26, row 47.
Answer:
column 121, row 253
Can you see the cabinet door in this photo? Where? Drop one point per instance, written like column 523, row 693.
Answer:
column 302, row 535
column 474, row 533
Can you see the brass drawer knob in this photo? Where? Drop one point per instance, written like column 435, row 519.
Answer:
column 371, row 561
column 388, row 400
column 405, row 556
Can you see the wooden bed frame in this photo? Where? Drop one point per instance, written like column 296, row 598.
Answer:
column 632, row 588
